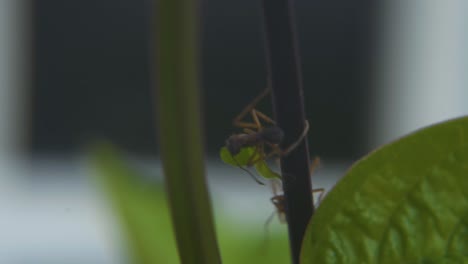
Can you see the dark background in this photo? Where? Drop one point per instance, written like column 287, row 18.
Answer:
column 92, row 76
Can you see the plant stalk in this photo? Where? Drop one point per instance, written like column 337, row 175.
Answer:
column 288, row 108
column 180, row 136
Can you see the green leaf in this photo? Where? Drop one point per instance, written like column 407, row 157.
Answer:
column 264, row 170
column 140, row 206
column 243, row 158
column 407, row 202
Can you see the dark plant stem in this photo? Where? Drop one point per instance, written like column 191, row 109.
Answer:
column 288, row 107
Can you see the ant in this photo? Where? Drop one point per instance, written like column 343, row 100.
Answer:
column 278, row 199
column 270, row 136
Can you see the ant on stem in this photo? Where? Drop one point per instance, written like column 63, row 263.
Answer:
column 278, row 199
column 257, row 136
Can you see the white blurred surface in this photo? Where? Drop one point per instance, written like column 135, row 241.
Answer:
column 50, row 212
column 14, row 47
column 423, row 69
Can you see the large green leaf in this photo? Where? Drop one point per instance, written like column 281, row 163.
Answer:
column 407, row 202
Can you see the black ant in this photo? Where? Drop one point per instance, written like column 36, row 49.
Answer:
column 270, row 136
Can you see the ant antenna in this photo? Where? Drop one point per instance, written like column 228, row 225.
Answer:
column 267, row 222
column 266, row 230
column 249, row 172
column 299, row 140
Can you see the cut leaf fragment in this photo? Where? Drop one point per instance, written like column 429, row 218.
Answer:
column 245, row 157
column 264, row 170
column 241, row 159
column 407, row 202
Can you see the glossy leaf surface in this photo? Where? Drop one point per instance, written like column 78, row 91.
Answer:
column 407, row 202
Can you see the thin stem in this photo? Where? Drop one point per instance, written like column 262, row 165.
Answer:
column 287, row 95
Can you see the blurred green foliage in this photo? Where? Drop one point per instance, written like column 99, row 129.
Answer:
column 177, row 101
column 141, row 207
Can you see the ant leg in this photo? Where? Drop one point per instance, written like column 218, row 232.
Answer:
column 237, row 120
column 275, row 185
column 265, row 227
column 255, row 119
column 250, row 173
column 249, row 131
column 298, row 141
column 254, row 158
column 246, row 125
column 261, row 156
column 268, row 221
column 275, row 151
column 265, row 118
column 314, row 165
column 320, row 196
column 278, row 162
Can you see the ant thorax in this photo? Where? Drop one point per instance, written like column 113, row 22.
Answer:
column 273, row 134
column 237, row 141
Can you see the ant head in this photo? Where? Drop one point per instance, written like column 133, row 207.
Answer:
column 273, row 134
column 234, row 145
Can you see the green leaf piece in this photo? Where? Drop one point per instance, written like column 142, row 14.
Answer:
column 241, row 159
column 264, row 170
column 244, row 158
column 406, row 202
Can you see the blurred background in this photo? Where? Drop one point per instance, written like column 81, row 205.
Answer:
column 75, row 72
